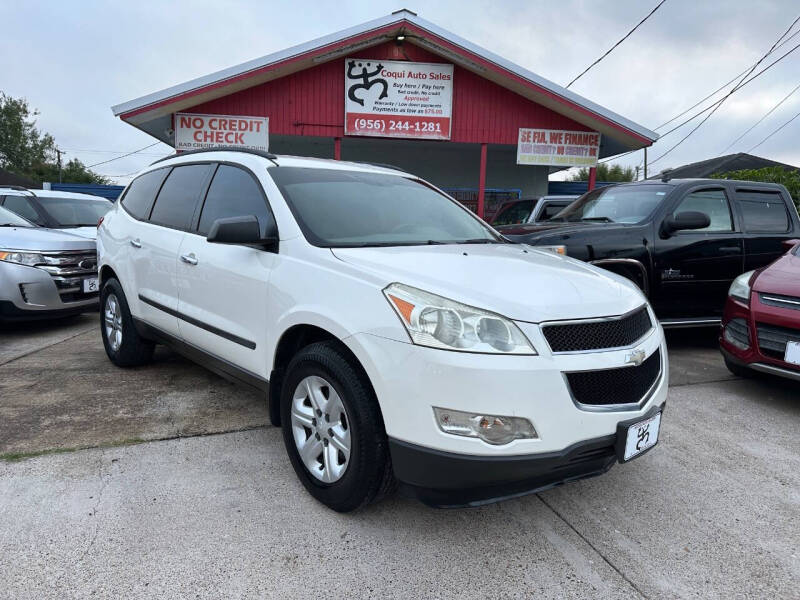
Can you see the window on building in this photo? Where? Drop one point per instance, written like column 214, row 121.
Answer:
column 233, row 193
column 713, row 203
column 179, row 195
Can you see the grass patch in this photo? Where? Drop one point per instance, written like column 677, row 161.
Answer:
column 18, row 456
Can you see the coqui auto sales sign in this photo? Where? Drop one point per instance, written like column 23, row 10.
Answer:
column 385, row 98
column 193, row 131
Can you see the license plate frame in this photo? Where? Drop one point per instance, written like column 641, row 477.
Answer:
column 792, row 354
column 641, row 431
column 90, row 285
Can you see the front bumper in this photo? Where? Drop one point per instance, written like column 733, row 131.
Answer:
column 449, row 480
column 31, row 293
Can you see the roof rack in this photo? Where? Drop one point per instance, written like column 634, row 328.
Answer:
column 18, row 188
column 267, row 155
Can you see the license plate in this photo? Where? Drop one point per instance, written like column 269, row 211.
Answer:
column 90, row 285
column 641, row 436
column 792, row 353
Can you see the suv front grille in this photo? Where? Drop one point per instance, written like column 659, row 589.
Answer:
column 68, row 269
column 615, row 332
column 780, row 301
column 623, row 385
column 772, row 339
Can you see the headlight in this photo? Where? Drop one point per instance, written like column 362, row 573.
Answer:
column 562, row 250
column 22, row 258
column 740, row 288
column 492, row 429
column 441, row 323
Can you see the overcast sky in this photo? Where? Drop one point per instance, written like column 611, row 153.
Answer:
column 74, row 60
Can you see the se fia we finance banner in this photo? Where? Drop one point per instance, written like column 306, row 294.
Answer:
column 400, row 99
column 558, row 148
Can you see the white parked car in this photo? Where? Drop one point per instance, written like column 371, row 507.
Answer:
column 70, row 211
column 398, row 337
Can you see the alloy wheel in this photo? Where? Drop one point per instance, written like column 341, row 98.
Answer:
column 112, row 317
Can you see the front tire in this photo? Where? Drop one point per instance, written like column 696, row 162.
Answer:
column 124, row 346
column 333, row 430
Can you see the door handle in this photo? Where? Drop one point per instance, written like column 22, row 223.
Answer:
column 136, row 243
column 190, row 259
column 730, row 249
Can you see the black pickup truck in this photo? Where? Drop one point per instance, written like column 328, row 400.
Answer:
column 683, row 241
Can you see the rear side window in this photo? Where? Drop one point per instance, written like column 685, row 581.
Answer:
column 23, row 207
column 233, row 193
column 713, row 203
column 178, row 197
column 763, row 212
column 514, row 213
column 140, row 195
column 552, row 209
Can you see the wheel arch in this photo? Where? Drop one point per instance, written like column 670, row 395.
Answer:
column 106, row 273
column 294, row 339
column 630, row 268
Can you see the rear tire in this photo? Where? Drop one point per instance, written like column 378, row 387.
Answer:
column 324, row 383
column 739, row 370
column 124, row 346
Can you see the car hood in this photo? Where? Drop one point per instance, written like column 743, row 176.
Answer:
column 89, row 232
column 781, row 277
column 42, row 239
column 526, row 228
column 514, row 280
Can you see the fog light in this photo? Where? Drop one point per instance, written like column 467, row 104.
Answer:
column 737, row 334
column 492, row 429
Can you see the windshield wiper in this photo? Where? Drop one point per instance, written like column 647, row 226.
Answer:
column 598, row 219
column 480, row 241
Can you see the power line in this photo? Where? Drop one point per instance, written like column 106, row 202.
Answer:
column 109, row 151
column 722, row 87
column 773, row 133
column 123, row 156
column 768, row 113
column 625, row 37
column 729, row 94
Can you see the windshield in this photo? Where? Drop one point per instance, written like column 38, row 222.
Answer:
column 10, row 219
column 75, row 212
column 514, row 212
column 337, row 208
column 615, row 204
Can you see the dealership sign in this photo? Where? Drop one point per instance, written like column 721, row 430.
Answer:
column 207, row 131
column 557, row 148
column 401, row 99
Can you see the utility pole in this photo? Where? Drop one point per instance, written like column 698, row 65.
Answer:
column 645, row 162
column 637, row 173
column 59, row 153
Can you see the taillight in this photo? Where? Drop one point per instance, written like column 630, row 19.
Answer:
column 100, row 222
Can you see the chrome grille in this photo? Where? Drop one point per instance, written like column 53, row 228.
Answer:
column 613, row 332
column 780, row 301
column 68, row 269
column 623, row 385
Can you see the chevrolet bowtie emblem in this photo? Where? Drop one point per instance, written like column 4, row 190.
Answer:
column 635, row 358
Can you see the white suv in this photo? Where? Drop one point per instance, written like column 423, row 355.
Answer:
column 398, row 337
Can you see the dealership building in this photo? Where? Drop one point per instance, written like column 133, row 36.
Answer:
column 399, row 91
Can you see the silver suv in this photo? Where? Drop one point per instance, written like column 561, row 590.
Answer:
column 44, row 273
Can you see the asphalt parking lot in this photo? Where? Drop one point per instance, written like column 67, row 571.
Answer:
column 165, row 481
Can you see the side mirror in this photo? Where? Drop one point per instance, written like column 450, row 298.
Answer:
column 241, row 230
column 689, row 219
column 788, row 245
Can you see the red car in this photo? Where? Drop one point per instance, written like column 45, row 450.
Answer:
column 761, row 324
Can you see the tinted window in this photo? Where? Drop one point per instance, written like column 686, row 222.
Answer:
column 339, row 208
column 178, row 196
column 551, row 209
column 233, row 193
column 763, row 211
column 23, row 207
column 711, row 202
column 140, row 195
column 511, row 214
column 74, row 212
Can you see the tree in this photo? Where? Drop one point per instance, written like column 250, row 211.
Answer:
column 606, row 172
column 790, row 178
column 31, row 153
